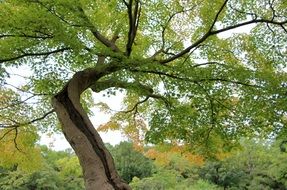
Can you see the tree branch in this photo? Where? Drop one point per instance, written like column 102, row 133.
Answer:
column 21, row 90
column 33, row 54
column 14, row 139
column 16, row 126
column 125, row 2
column 6, row 133
column 26, row 36
column 133, row 16
column 212, row 119
column 102, row 85
column 105, row 41
column 217, row 15
column 17, row 103
column 135, row 107
column 140, row 88
column 253, row 15
column 194, row 80
column 27, row 123
column 205, row 36
column 164, row 27
column 88, row 25
column 281, row 24
column 51, row 10
column 208, row 63
column 211, row 32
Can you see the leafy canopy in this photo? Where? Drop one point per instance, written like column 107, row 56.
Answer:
column 184, row 81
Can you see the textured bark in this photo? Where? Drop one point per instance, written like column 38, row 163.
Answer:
column 97, row 163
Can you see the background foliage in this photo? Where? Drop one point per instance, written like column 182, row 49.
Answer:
column 258, row 165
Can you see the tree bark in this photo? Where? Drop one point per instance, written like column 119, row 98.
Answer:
column 97, row 163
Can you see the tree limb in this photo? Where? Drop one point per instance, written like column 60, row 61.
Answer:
column 217, row 15
column 26, row 36
column 14, row 139
column 108, row 43
column 89, row 25
column 16, row 103
column 140, row 88
column 21, row 90
column 28, row 54
column 208, row 63
column 211, row 32
column 164, row 27
column 27, row 123
column 279, row 23
column 102, row 85
column 134, row 16
column 6, row 133
column 194, row 80
column 205, row 36
column 135, row 107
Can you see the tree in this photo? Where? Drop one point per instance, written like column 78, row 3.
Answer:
column 59, row 171
column 169, row 180
column 259, row 165
column 179, row 74
column 130, row 163
column 17, row 144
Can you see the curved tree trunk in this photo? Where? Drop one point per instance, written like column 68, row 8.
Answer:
column 97, row 163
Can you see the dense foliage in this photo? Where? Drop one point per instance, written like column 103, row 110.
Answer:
column 256, row 166
column 59, row 171
column 130, row 163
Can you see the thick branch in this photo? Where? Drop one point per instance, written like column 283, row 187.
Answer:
column 100, row 61
column 104, row 40
column 133, row 16
column 108, row 43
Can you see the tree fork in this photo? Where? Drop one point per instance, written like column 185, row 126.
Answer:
column 96, row 161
